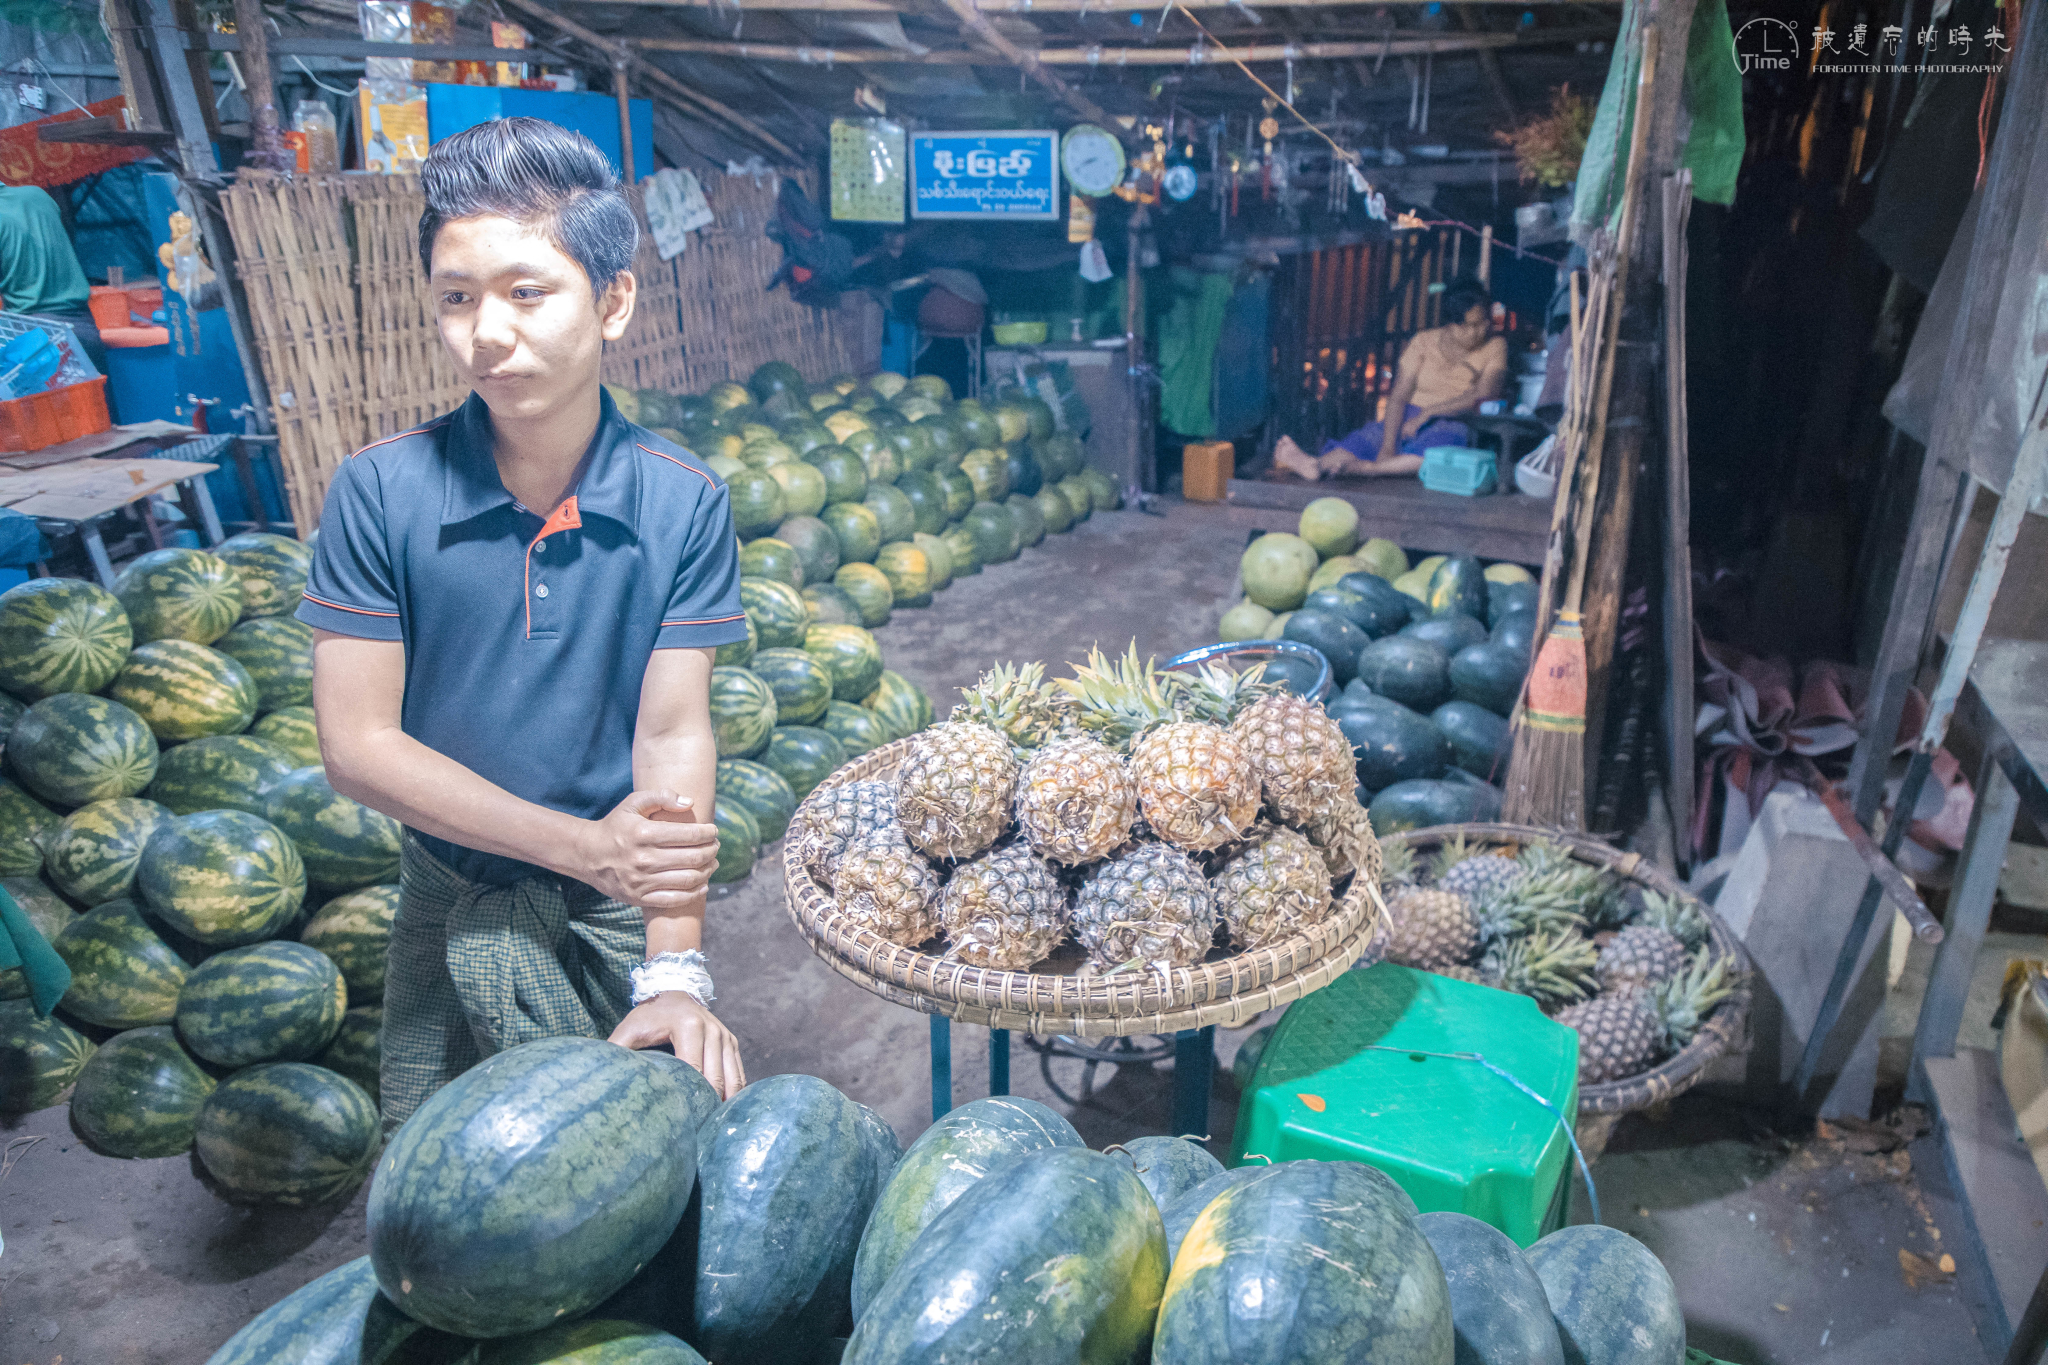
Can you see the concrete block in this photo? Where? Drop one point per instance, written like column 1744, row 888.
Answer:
column 1789, row 896
column 1995, row 1180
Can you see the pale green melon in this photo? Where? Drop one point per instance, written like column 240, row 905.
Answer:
column 1331, row 525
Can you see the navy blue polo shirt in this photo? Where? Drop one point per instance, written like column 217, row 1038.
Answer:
column 526, row 636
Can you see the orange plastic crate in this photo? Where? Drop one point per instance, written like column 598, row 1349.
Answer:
column 44, row 419
column 82, row 409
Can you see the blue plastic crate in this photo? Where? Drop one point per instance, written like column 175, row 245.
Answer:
column 1458, row 469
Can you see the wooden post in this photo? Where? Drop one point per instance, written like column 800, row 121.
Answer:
column 260, row 90
column 625, row 116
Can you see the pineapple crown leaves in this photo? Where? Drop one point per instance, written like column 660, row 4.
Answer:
column 1683, row 1002
column 1557, row 967
column 1119, row 701
column 1015, row 701
column 1397, row 862
column 1449, row 854
column 1521, row 909
column 1677, row 916
column 1219, row 696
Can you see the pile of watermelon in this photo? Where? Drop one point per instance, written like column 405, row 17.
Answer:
column 1427, row 660
column 166, row 824
column 569, row 1201
column 869, row 495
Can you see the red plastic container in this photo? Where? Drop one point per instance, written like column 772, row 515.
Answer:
column 44, row 419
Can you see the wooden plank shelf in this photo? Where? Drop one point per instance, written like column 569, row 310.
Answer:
column 1510, row 526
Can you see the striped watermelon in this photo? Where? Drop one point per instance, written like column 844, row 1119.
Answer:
column 531, row 1187
column 344, row 843
column 12, row 709
column 278, row 652
column 123, row 974
column 73, row 749
column 224, row 877
column 909, row 573
column 39, row 1058
column 800, row 683
column 762, row 791
column 94, row 853
column 185, row 690
column 777, row 611
column 855, row 727
column 354, row 931
column 268, row 1002
column 49, row 914
column 803, row 755
column 870, row 591
column 739, row 841
column 180, row 594
column 339, row 1319
column 61, row 635
column 850, row 655
column 742, row 712
column 26, row 825
column 973, row 1141
column 219, row 772
column 356, row 1052
column 735, row 654
column 291, row 729
column 140, row 1095
column 901, row 704
column 287, row 1133
column 594, row 1341
column 271, row 569
column 1065, row 1255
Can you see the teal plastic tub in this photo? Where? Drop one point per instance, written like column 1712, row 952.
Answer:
column 1463, row 470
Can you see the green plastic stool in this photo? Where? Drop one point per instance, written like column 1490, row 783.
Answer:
column 1347, row 1076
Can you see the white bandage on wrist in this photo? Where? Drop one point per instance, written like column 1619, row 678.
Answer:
column 663, row 972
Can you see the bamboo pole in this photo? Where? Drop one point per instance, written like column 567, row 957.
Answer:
column 1032, row 66
column 624, row 96
column 1200, row 54
column 261, row 91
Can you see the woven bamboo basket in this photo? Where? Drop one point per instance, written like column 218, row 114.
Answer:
column 1601, row 1106
column 1226, row 989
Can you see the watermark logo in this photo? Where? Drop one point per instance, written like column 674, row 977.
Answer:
column 1766, row 45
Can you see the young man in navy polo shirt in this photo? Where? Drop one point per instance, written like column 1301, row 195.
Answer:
column 515, row 611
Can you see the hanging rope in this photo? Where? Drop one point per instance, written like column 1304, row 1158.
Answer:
column 1343, row 154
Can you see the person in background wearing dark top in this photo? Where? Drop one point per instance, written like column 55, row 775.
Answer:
column 39, row 271
column 515, row 609
column 1444, row 373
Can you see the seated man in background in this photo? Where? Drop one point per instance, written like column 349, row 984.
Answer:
column 1444, row 372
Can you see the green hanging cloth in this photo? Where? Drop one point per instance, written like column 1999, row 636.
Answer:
column 22, row 945
column 1187, row 350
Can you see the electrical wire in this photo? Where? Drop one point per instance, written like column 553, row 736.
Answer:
column 1343, row 154
column 345, row 94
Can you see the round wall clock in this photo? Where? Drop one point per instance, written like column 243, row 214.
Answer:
column 1093, row 160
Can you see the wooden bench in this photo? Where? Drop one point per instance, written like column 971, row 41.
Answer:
column 1510, row 526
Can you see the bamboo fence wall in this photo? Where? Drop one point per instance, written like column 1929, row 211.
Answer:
column 348, row 344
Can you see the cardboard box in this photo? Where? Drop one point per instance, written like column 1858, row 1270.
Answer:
column 1206, row 468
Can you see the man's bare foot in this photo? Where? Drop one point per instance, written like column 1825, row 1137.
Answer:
column 1292, row 458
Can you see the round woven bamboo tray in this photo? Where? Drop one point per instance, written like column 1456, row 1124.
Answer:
column 1227, row 989
column 1602, row 1105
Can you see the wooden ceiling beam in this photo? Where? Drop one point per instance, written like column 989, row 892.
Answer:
column 1186, row 55
column 1029, row 7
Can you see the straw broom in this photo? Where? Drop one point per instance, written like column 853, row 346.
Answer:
column 1547, row 767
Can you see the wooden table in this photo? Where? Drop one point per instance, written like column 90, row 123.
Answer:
column 1510, row 526
column 74, row 497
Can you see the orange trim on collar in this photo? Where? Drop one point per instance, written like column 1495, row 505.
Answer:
column 563, row 518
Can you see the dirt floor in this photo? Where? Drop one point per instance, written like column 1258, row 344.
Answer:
column 1785, row 1249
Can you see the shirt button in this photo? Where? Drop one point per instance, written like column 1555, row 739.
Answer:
column 541, row 545
column 541, row 591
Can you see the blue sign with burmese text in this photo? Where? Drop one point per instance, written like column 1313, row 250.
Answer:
column 985, row 175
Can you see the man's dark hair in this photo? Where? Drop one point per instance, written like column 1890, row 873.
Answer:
column 1461, row 296
column 537, row 173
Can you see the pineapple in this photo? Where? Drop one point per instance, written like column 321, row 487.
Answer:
column 1549, row 900
column 1678, row 916
column 1624, row 1032
column 1273, row 885
column 1016, row 702
column 1427, row 928
column 1555, row 966
column 1149, row 904
column 1347, row 843
column 1640, row 955
column 1462, row 973
column 1474, row 874
column 1303, row 762
column 838, row 816
column 954, row 790
column 1004, row 910
column 1076, row 801
column 883, row 885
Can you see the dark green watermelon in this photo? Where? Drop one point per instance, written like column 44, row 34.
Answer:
column 959, row 493
column 1459, row 585
column 895, row 517
column 1030, row 521
column 1169, row 1166
column 787, row 1186
column 1489, row 675
column 912, row 446
column 140, row 1095
column 594, row 1341
column 219, row 772
column 858, row 529
column 994, row 532
column 857, row 729
column 1478, row 738
column 287, row 1133
column 800, row 683
column 758, row 506
column 1503, row 599
column 1343, row 1274
column 268, row 1002
column 762, row 791
column 901, row 703
column 832, row 605
column 123, row 974
column 1180, row 1215
column 768, row 557
column 1414, row 672
column 816, row 546
column 973, row 1141
column 39, row 1058
column 1332, row 636
column 1516, row 631
column 1065, row 1254
column 1386, row 608
column 1338, row 600
column 1498, row 1309
column 531, row 1187
column 1392, row 742
column 803, row 756
column 927, row 494
column 1026, row 477
column 1055, row 509
column 846, row 474
column 1421, row 802
column 1450, row 632
column 1612, row 1299
column 338, row 1319
column 739, row 841
column 773, row 377
column 73, row 749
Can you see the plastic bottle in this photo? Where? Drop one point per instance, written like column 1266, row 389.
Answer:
column 323, row 149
